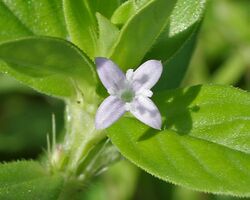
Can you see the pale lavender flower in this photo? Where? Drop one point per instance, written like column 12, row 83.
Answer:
column 130, row 92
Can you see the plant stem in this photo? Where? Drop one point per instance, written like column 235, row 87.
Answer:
column 80, row 138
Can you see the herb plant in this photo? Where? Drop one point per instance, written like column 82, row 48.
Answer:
column 197, row 136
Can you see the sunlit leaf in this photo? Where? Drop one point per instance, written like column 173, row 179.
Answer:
column 47, row 64
column 108, row 34
column 81, row 24
column 25, row 18
column 175, row 44
column 167, row 33
column 140, row 32
column 124, row 12
column 204, row 144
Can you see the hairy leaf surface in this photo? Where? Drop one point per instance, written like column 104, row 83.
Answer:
column 27, row 180
column 204, row 143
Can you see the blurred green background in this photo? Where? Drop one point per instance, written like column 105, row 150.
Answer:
column 222, row 56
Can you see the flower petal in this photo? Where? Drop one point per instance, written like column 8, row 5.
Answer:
column 146, row 111
column 109, row 73
column 147, row 75
column 111, row 109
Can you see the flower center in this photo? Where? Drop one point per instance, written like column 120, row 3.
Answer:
column 127, row 95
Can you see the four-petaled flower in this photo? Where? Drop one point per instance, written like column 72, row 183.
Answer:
column 130, row 92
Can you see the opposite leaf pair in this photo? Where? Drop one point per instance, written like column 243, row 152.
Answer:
column 130, row 92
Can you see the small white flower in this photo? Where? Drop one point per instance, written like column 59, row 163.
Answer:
column 130, row 92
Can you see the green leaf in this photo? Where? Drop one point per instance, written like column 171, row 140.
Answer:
column 49, row 65
column 10, row 26
column 175, row 44
column 28, row 180
column 108, row 34
column 10, row 85
column 82, row 25
column 124, row 12
column 184, row 20
column 204, row 144
column 105, row 7
column 140, row 32
column 176, row 66
column 16, row 21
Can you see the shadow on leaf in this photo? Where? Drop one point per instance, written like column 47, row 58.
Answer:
column 176, row 108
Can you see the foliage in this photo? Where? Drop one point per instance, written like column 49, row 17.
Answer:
column 50, row 46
